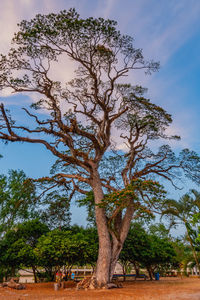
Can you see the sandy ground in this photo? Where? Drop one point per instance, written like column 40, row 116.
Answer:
column 165, row 289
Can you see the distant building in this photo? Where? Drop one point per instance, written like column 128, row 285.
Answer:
column 26, row 276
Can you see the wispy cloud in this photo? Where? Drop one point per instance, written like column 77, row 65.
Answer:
column 107, row 7
column 161, row 28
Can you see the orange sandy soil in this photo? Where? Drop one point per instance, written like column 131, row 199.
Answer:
column 165, row 289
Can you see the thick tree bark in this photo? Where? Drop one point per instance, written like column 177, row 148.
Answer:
column 110, row 244
column 102, row 272
column 116, row 249
column 117, row 243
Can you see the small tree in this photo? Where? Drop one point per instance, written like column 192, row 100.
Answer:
column 83, row 115
column 162, row 256
column 17, row 246
column 147, row 250
column 22, row 199
column 134, row 247
column 184, row 211
column 17, row 199
column 60, row 249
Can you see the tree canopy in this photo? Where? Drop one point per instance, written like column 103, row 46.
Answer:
column 143, row 249
column 186, row 211
column 33, row 245
column 17, row 199
column 17, row 246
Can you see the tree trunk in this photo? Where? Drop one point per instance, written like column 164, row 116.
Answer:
column 116, row 249
column 194, row 252
column 109, row 250
column 117, row 243
column 150, row 271
column 34, row 274
column 13, row 271
column 102, row 272
column 137, row 268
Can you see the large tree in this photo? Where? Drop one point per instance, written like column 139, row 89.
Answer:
column 90, row 115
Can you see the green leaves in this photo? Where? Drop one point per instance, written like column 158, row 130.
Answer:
column 151, row 119
column 147, row 249
column 186, row 210
column 31, row 244
column 65, row 248
column 17, row 198
column 143, row 194
column 17, row 245
column 55, row 210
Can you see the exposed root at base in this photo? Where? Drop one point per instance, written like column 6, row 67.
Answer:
column 91, row 284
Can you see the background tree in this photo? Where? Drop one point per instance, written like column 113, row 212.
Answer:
column 63, row 248
column 32, row 245
column 17, row 199
column 184, row 211
column 54, row 210
column 17, row 247
column 88, row 202
column 135, row 246
column 83, row 115
column 91, row 250
column 162, row 256
column 142, row 249
column 160, row 230
column 23, row 199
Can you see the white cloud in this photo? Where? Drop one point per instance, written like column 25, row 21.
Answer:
column 109, row 4
column 159, row 27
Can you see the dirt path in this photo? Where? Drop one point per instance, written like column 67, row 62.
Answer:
column 165, row 289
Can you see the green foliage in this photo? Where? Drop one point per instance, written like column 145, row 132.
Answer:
column 145, row 194
column 17, row 199
column 159, row 230
column 196, row 233
column 98, row 35
column 17, row 245
column 91, row 250
column 136, row 245
column 134, row 191
column 31, row 244
column 186, row 210
column 148, row 250
column 65, row 248
column 55, row 209
column 22, row 199
column 184, row 254
column 162, row 254
column 59, row 248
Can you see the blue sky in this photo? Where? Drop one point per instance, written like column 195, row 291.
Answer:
column 168, row 31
